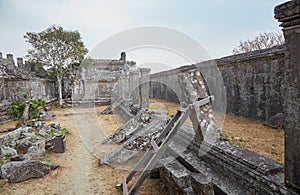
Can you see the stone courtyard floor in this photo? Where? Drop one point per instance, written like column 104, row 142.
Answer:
column 79, row 172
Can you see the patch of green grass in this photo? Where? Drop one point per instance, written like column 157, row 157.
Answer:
column 231, row 139
column 7, row 157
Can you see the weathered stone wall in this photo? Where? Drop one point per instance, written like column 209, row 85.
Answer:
column 39, row 88
column 95, row 80
column 18, row 80
column 253, row 81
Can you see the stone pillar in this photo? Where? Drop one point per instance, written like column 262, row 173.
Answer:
column 124, row 87
column 10, row 57
column 123, row 57
column 27, row 66
column 134, row 90
column 1, row 55
column 20, row 63
column 120, row 88
column 289, row 16
column 144, row 87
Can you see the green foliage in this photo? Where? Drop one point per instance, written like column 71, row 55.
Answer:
column 56, row 50
column 17, row 107
column 56, row 47
column 54, row 132
column 33, row 109
column 119, row 187
column 8, row 157
column 131, row 63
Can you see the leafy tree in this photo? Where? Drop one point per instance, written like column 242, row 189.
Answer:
column 261, row 41
column 131, row 63
column 56, row 49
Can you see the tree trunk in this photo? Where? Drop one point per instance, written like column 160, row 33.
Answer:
column 60, row 100
column 24, row 119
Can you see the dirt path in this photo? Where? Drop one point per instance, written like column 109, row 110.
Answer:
column 79, row 172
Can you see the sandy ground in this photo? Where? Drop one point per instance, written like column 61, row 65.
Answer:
column 79, row 172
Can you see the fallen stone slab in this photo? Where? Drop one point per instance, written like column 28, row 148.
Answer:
column 11, row 137
column 135, row 124
column 37, row 149
column 112, row 106
column 57, row 143
column 135, row 137
column 7, row 151
column 175, row 175
column 23, row 170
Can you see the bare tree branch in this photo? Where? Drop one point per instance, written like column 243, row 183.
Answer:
column 261, row 41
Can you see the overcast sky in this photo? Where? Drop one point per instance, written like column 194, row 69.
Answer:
column 217, row 25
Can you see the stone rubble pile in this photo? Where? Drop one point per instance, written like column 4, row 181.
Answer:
column 20, row 149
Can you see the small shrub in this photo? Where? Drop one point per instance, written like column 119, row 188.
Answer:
column 35, row 104
column 17, row 107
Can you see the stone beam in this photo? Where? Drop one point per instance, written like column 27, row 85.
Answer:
column 144, row 87
column 134, row 89
column 289, row 16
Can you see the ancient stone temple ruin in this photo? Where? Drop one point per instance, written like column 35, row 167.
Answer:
column 95, row 79
column 123, row 86
column 189, row 156
column 197, row 162
column 106, row 81
column 18, row 79
column 21, row 78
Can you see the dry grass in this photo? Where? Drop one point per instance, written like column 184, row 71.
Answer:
column 255, row 136
column 246, row 133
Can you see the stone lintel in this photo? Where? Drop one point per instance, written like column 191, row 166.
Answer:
column 288, row 14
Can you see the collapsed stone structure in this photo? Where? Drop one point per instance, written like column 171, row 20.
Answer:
column 203, row 167
column 196, row 161
column 21, row 79
column 20, row 148
column 221, row 167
